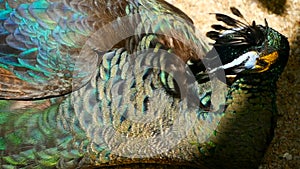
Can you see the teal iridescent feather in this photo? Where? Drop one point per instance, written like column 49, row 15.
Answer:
column 41, row 44
column 42, row 41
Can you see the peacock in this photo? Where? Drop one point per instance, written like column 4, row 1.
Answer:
column 115, row 83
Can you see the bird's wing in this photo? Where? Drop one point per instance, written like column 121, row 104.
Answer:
column 40, row 49
column 47, row 47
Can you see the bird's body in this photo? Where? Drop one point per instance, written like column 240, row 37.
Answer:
column 80, row 87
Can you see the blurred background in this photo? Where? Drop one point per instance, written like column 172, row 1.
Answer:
column 283, row 16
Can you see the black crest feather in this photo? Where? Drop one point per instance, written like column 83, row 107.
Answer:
column 226, row 19
column 236, row 32
column 236, row 12
column 219, row 27
column 213, row 35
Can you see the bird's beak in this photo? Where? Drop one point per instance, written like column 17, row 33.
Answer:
column 263, row 63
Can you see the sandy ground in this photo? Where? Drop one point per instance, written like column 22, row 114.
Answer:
column 284, row 16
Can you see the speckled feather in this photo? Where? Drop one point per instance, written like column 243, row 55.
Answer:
column 88, row 126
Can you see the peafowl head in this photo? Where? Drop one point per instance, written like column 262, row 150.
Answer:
column 261, row 50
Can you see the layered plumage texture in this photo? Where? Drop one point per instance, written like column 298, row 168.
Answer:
column 43, row 40
column 108, row 83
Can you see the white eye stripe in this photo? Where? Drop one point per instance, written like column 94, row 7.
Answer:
column 226, row 32
column 248, row 58
column 252, row 61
